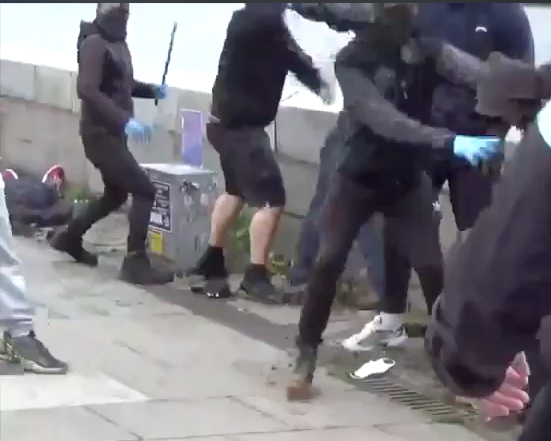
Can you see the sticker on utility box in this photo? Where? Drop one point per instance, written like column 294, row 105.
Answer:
column 160, row 217
column 156, row 244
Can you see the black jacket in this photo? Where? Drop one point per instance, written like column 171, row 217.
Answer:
column 258, row 53
column 385, row 144
column 478, row 29
column 105, row 82
column 497, row 297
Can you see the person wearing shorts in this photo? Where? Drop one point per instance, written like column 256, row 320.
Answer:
column 258, row 53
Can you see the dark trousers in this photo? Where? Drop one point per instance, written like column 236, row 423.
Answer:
column 121, row 175
column 410, row 227
column 369, row 238
column 470, row 193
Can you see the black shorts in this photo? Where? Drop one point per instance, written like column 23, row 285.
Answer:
column 470, row 187
column 250, row 169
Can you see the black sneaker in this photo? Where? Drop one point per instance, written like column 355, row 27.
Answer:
column 211, row 266
column 257, row 285
column 71, row 245
column 300, row 386
column 31, row 354
column 137, row 269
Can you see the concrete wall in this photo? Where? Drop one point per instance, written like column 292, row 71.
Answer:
column 39, row 127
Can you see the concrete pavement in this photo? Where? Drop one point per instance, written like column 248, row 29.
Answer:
column 144, row 368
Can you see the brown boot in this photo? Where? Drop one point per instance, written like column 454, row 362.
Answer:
column 300, row 386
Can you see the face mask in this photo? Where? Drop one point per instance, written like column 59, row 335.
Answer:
column 398, row 21
column 112, row 18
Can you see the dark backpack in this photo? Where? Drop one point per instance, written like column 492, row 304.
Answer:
column 86, row 29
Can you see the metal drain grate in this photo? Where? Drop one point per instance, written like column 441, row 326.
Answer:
column 437, row 409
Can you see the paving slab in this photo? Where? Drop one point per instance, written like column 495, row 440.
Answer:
column 203, row 438
column 430, row 432
column 348, row 434
column 207, row 417
column 164, row 364
column 346, row 409
column 24, row 392
column 61, row 424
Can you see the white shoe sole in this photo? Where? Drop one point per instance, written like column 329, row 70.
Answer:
column 351, row 344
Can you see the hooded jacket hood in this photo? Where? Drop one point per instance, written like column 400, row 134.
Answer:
column 111, row 20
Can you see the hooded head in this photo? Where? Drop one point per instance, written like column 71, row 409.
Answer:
column 393, row 21
column 396, row 21
column 112, row 19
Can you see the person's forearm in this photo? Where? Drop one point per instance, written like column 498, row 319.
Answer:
column 143, row 90
column 497, row 289
column 364, row 103
column 458, row 66
column 301, row 64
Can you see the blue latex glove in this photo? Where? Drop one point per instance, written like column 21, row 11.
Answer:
column 161, row 91
column 137, row 131
column 475, row 149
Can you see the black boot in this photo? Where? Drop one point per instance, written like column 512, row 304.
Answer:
column 72, row 245
column 257, row 285
column 137, row 269
column 300, row 386
column 211, row 266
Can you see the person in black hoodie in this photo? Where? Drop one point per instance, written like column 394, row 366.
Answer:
column 478, row 29
column 106, row 87
column 258, row 53
column 383, row 169
column 496, row 299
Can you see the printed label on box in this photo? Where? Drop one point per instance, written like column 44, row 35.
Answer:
column 160, row 217
column 156, row 245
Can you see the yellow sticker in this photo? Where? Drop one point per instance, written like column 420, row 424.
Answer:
column 156, row 242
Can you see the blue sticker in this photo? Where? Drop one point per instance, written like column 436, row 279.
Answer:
column 544, row 123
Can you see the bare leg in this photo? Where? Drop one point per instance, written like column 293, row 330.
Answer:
column 262, row 233
column 226, row 210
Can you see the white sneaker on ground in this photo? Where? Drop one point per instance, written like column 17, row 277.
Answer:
column 384, row 330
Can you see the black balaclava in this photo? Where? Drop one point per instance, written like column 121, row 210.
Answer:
column 112, row 19
column 396, row 21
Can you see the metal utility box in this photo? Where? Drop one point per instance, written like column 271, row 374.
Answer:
column 179, row 225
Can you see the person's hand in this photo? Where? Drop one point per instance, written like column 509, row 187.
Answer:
column 137, row 131
column 511, row 396
column 475, row 149
column 161, row 91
